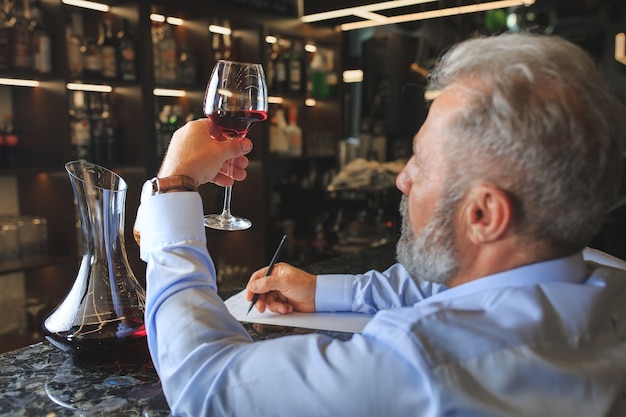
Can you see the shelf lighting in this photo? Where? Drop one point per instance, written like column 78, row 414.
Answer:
column 432, row 14
column 100, row 88
column 19, row 82
column 271, row 39
column 220, row 30
column 620, row 48
column 275, row 100
column 155, row 17
column 87, row 5
column 385, row 5
column 353, row 76
column 309, row 47
column 166, row 92
column 310, row 102
column 176, row 21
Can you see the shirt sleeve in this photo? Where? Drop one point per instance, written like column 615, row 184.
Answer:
column 372, row 291
column 208, row 364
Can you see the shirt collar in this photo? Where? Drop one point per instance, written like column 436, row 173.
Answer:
column 569, row 269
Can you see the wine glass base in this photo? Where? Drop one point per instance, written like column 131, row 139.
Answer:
column 222, row 222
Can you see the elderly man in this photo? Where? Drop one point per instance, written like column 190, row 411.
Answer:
column 492, row 308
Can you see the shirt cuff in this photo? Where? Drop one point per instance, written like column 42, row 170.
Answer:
column 170, row 217
column 333, row 292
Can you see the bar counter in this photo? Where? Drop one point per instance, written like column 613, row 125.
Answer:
column 41, row 380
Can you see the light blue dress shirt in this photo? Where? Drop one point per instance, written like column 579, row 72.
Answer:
column 547, row 339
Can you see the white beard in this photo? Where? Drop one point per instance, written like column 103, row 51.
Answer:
column 430, row 255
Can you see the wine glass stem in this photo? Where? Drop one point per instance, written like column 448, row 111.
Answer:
column 228, row 192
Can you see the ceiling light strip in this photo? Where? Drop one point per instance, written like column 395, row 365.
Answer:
column 370, row 16
column 385, row 5
column 166, row 92
column 432, row 14
column 87, row 5
column 101, row 88
column 19, row 82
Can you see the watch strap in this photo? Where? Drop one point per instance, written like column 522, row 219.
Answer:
column 173, row 183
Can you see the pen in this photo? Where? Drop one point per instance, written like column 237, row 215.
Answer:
column 255, row 297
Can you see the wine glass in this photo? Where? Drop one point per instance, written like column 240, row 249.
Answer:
column 235, row 99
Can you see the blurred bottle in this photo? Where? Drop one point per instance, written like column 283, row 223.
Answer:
column 96, row 122
column 271, row 68
column 108, row 49
column 317, row 76
column 295, row 69
column 112, row 153
column 93, row 56
column 75, row 45
column 80, row 126
column 18, row 36
column 11, row 142
column 188, row 66
column 5, row 58
column 278, row 133
column 40, row 40
column 163, row 130
column 168, row 57
column 280, row 65
column 294, row 132
column 157, row 34
column 127, row 55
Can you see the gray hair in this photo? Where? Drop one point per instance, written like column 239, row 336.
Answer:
column 541, row 124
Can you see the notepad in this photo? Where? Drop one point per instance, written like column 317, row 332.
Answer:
column 339, row 322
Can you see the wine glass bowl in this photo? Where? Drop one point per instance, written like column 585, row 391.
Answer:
column 235, row 99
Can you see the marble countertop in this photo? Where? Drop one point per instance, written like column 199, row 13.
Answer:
column 41, row 380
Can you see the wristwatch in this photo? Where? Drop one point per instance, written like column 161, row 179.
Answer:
column 167, row 184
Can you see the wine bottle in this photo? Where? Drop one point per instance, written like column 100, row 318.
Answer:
column 188, row 66
column 108, row 50
column 40, row 40
column 74, row 43
column 169, row 57
column 127, row 56
column 295, row 69
column 294, row 133
column 80, row 126
column 92, row 59
column 19, row 38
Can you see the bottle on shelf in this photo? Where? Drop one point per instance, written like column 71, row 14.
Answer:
column 96, row 122
column 163, row 130
column 5, row 59
column 294, row 132
column 318, row 77
column 188, row 66
column 280, row 66
column 168, row 56
column 40, row 40
column 18, row 36
column 80, row 126
column 11, row 143
column 74, row 43
column 278, row 133
column 127, row 53
column 295, row 69
column 92, row 58
column 107, row 44
column 112, row 153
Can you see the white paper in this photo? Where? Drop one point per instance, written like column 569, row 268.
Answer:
column 339, row 322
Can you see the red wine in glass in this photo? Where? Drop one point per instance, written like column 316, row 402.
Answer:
column 235, row 99
column 237, row 123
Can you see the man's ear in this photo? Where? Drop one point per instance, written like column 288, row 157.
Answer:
column 487, row 213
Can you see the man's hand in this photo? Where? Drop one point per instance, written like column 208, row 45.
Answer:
column 287, row 289
column 199, row 150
